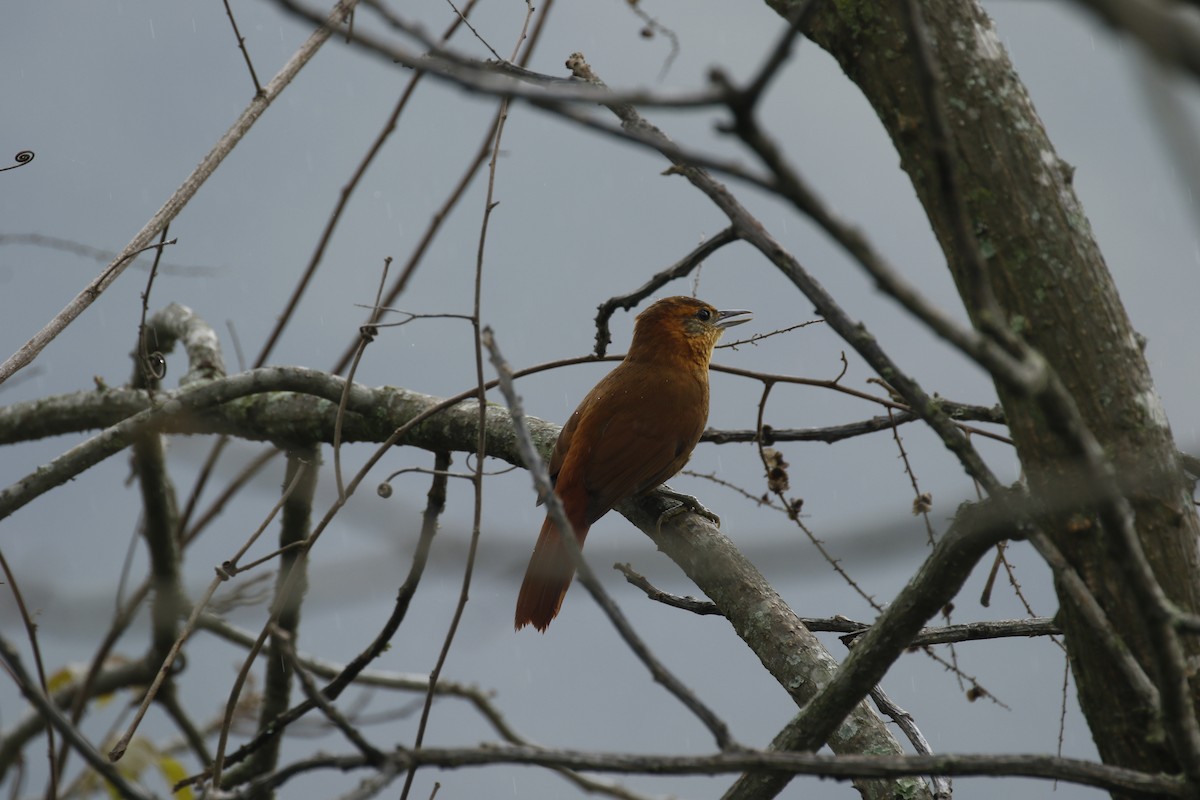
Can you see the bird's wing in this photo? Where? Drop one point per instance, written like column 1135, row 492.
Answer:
column 632, row 451
column 561, row 447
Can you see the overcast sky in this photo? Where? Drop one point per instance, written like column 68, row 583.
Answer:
column 120, row 100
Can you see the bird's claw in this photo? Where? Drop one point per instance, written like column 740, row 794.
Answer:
column 686, row 503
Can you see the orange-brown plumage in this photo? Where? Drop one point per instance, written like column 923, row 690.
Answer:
column 635, row 429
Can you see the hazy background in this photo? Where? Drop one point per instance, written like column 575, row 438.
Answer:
column 121, row 99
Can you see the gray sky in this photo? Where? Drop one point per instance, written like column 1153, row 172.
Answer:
column 121, row 99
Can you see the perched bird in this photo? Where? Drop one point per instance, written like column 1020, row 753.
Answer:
column 633, row 431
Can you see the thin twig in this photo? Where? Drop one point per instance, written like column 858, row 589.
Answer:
column 35, row 648
column 241, row 40
column 348, row 729
column 305, row 279
column 489, row 205
column 436, row 504
column 70, row 734
column 653, row 26
column 22, row 158
column 777, row 484
column 677, row 270
column 853, row 630
column 224, row 572
column 941, row 787
column 463, row 19
column 366, row 335
column 922, row 502
column 152, row 365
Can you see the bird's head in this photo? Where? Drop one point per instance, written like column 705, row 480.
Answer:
column 681, row 325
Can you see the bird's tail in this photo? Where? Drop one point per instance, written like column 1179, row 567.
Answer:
column 547, row 577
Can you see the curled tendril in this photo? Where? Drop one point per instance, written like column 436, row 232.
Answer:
column 22, row 158
column 154, row 365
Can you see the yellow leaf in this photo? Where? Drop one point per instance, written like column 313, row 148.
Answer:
column 173, row 772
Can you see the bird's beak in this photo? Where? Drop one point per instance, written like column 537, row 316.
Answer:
column 727, row 319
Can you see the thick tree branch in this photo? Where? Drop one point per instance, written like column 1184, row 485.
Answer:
column 975, row 531
column 1043, row 270
column 787, row 649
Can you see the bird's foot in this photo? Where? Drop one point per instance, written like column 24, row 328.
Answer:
column 686, row 503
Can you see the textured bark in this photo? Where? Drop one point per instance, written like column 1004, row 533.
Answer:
column 787, row 649
column 1046, row 271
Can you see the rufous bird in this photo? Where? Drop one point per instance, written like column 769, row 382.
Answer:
column 634, row 430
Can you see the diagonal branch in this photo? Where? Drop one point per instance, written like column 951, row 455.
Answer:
column 50, row 713
column 975, row 531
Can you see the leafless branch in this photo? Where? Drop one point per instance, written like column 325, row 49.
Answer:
column 677, row 270
column 941, row 786
column 31, row 633
column 241, row 40
column 49, row 713
column 1112, row 779
column 481, row 434
column 975, row 531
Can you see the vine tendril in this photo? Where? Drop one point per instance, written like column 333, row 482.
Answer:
column 22, row 158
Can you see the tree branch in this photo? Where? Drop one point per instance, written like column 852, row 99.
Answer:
column 1111, row 779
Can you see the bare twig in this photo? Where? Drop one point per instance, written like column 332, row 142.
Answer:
column 480, row 699
column 922, row 502
column 344, row 197
column 224, row 572
column 653, row 26
column 677, row 270
column 366, row 335
column 348, row 729
column 853, row 630
column 774, row 469
column 436, row 504
column 481, row 434
column 1118, row 780
column 35, row 648
column 50, row 714
column 463, row 19
column 701, row 607
column 101, row 255
column 241, row 40
column 941, row 786
column 795, row 21
column 153, row 365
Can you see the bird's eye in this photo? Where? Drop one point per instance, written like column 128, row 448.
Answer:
column 704, row 315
